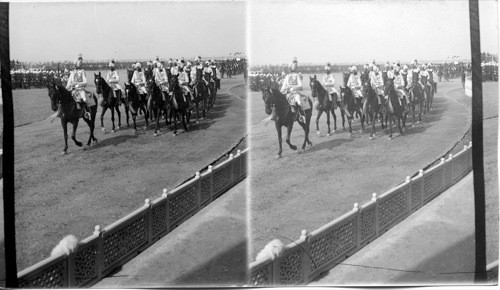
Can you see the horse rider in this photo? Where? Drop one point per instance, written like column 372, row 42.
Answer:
column 139, row 80
column 77, row 81
column 215, row 74
column 430, row 71
column 169, row 65
column 161, row 79
column 377, row 83
column 183, row 79
column 390, row 71
column 399, row 87
column 174, row 75
column 187, row 70
column 113, row 78
column 292, row 85
column 354, row 82
column 208, row 74
column 404, row 73
column 423, row 74
column 329, row 83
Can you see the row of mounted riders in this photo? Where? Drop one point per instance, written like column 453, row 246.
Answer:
column 38, row 78
column 387, row 108
column 154, row 105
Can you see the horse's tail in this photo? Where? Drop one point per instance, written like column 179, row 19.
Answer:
column 52, row 117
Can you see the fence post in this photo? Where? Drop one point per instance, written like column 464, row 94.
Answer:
column 198, row 191
column 167, row 209
column 238, row 154
column 149, row 221
column 211, row 176
column 306, row 249
column 231, row 173
column 409, row 195
column 100, row 251
column 377, row 227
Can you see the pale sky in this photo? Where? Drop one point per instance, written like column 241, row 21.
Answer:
column 360, row 31
column 126, row 30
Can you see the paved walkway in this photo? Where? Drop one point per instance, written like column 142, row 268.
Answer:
column 209, row 249
column 435, row 245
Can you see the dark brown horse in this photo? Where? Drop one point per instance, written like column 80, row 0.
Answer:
column 349, row 103
column 109, row 101
column 372, row 106
column 323, row 103
column 417, row 98
column 273, row 98
column 61, row 99
column 179, row 106
column 136, row 103
column 393, row 108
column 158, row 103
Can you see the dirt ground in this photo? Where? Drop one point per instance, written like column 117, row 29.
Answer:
column 305, row 190
column 60, row 195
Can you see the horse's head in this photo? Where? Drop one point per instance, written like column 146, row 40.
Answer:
column 389, row 86
column 346, row 78
column 268, row 98
column 54, row 96
column 366, row 88
column 313, row 83
column 98, row 81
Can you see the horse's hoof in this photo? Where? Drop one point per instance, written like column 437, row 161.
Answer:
column 413, row 125
column 371, row 138
column 103, row 129
column 390, row 138
column 328, row 134
column 64, row 153
column 318, row 132
column 174, row 134
column 118, row 128
column 278, row 156
column 112, row 131
column 334, row 130
column 155, row 134
column 197, row 122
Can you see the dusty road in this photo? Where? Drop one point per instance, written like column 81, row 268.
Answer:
column 306, row 190
column 59, row 195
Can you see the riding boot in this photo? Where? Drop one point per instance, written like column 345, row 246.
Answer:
column 87, row 112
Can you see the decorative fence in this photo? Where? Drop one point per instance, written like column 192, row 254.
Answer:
column 313, row 253
column 113, row 246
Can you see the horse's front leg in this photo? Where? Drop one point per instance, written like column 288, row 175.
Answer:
column 278, row 129
column 334, row 119
column 320, row 112
column 73, row 134
column 65, row 130
column 374, row 119
column 112, row 119
column 157, row 128
column 328, row 122
column 175, row 121
column 104, row 108
column 288, row 134
column 390, row 126
column 184, row 116
column 117, row 108
column 342, row 114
